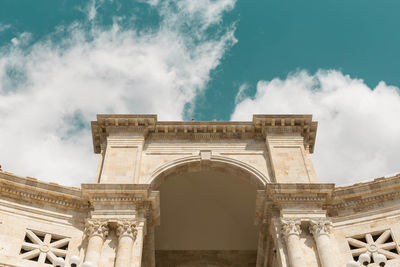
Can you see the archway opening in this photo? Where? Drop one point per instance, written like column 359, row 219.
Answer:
column 207, row 219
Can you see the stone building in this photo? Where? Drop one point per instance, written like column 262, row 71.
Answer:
column 186, row 194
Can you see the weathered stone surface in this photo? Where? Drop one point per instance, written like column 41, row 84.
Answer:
column 113, row 221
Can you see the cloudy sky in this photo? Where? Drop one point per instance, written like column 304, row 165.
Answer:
column 62, row 62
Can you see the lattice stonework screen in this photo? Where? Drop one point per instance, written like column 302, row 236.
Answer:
column 43, row 247
column 381, row 242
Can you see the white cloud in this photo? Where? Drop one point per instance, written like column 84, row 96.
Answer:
column 4, row 27
column 91, row 10
column 206, row 11
column 49, row 91
column 242, row 93
column 358, row 135
column 22, row 39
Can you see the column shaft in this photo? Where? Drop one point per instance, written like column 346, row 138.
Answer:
column 320, row 230
column 291, row 230
column 126, row 232
column 138, row 247
column 94, row 247
column 325, row 251
column 124, row 251
column 294, row 250
column 97, row 231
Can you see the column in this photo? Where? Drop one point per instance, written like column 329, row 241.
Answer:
column 138, row 246
column 291, row 231
column 97, row 231
column 321, row 229
column 126, row 233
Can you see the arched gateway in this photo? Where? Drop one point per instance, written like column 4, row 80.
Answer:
column 207, row 174
column 191, row 194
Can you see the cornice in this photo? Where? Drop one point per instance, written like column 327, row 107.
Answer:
column 115, row 192
column 286, row 123
column 379, row 195
column 365, row 187
column 32, row 190
column 203, row 130
column 364, row 195
column 280, row 193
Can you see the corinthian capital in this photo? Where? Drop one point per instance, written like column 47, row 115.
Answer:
column 290, row 227
column 95, row 227
column 126, row 228
column 320, row 227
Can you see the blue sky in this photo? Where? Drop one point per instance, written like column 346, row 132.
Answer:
column 275, row 38
column 62, row 62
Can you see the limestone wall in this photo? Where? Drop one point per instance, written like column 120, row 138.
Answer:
column 50, row 225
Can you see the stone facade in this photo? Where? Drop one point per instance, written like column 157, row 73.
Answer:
column 189, row 194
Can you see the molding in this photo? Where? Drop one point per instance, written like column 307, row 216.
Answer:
column 366, row 218
column 280, row 193
column 31, row 190
column 121, row 200
column 116, row 192
column 381, row 195
column 204, row 130
column 197, row 162
column 363, row 196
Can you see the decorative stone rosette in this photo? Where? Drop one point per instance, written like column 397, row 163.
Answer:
column 320, row 227
column 126, row 228
column 290, row 227
column 96, row 228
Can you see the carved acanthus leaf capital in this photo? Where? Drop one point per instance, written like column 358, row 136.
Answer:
column 126, row 228
column 96, row 227
column 290, row 227
column 320, row 227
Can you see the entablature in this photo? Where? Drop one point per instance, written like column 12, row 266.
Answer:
column 256, row 129
column 123, row 200
column 366, row 196
column 32, row 190
column 91, row 196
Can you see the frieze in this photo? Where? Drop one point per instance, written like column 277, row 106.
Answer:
column 52, row 198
